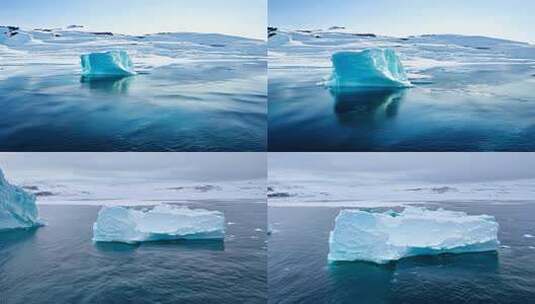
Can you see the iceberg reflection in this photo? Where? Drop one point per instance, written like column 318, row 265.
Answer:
column 356, row 107
column 114, row 85
column 205, row 245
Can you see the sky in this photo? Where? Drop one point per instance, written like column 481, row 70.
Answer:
column 416, row 167
column 511, row 19
column 246, row 18
column 196, row 167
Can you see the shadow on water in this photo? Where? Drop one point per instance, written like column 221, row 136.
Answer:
column 356, row 107
column 209, row 245
column 368, row 281
column 113, row 247
column 113, row 85
column 9, row 238
column 483, row 262
column 373, row 283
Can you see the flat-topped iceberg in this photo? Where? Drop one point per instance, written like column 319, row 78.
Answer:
column 163, row 222
column 107, row 64
column 17, row 207
column 384, row 237
column 370, row 68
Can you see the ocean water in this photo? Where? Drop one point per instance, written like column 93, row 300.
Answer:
column 59, row 263
column 298, row 270
column 305, row 116
column 204, row 106
column 470, row 94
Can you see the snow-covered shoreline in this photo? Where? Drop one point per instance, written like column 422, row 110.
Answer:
column 364, row 192
column 21, row 50
column 312, row 49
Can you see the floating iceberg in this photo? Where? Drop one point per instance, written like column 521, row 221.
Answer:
column 163, row 222
column 17, row 207
column 371, row 68
column 108, row 64
column 383, row 237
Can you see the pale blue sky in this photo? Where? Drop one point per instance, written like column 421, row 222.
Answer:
column 512, row 19
column 237, row 17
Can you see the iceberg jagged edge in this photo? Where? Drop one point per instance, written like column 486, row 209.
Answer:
column 107, row 64
column 17, row 207
column 370, row 68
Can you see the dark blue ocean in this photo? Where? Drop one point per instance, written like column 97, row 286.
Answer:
column 208, row 106
column 59, row 263
column 298, row 271
column 483, row 108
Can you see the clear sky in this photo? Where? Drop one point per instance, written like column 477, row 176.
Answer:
column 511, row 19
column 246, row 18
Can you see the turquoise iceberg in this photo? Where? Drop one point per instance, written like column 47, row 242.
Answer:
column 389, row 236
column 107, row 64
column 163, row 222
column 17, row 207
column 371, row 68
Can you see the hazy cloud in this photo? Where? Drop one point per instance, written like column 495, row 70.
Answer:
column 428, row 167
column 172, row 166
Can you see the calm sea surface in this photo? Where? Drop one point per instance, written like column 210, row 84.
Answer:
column 59, row 263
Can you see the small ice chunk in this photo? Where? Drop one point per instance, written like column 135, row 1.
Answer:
column 370, row 68
column 528, row 236
column 107, row 64
column 163, row 222
column 17, row 207
column 384, row 237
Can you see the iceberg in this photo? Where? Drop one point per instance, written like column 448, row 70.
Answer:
column 370, row 68
column 17, row 207
column 390, row 236
column 107, row 64
column 163, row 222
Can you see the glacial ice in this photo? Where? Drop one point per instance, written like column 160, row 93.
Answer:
column 370, row 68
column 389, row 236
column 107, row 64
column 163, row 222
column 17, row 207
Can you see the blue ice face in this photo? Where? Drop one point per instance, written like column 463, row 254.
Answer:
column 107, row 64
column 163, row 222
column 371, row 68
column 17, row 207
column 384, row 237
